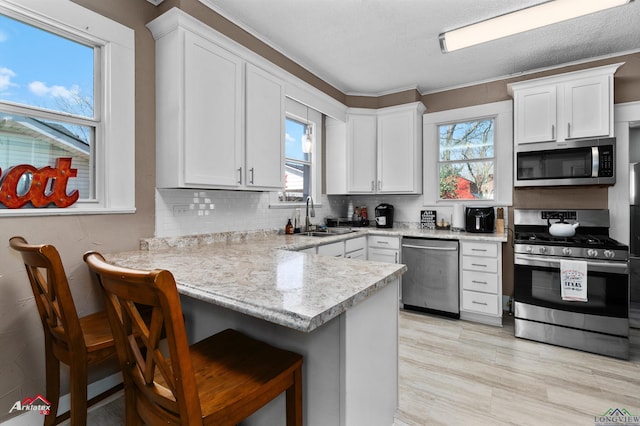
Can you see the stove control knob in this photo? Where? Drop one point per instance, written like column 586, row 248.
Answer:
column 566, row 251
column 529, row 249
column 609, row 254
column 543, row 249
column 592, row 253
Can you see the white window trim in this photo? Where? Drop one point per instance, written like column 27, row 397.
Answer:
column 115, row 148
column 298, row 112
column 503, row 151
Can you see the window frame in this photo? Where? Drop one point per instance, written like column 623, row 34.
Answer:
column 114, row 110
column 298, row 112
column 492, row 159
column 502, row 113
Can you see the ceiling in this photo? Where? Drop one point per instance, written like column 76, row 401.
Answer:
column 375, row 47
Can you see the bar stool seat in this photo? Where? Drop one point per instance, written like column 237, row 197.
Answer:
column 220, row 380
column 79, row 342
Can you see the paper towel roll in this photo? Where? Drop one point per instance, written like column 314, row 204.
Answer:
column 458, row 223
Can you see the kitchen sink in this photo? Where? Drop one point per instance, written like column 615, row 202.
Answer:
column 328, row 232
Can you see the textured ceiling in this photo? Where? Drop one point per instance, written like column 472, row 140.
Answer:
column 380, row 46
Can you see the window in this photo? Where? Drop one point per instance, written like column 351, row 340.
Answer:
column 466, row 160
column 468, row 155
column 67, row 92
column 47, row 85
column 297, row 162
column 302, row 170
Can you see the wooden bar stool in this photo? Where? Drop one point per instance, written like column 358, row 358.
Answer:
column 220, row 380
column 77, row 342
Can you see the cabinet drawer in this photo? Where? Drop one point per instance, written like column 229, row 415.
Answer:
column 480, row 302
column 356, row 254
column 480, row 281
column 384, row 242
column 334, row 249
column 479, row 249
column 482, row 264
column 355, row 244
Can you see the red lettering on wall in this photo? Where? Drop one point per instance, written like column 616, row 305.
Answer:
column 40, row 193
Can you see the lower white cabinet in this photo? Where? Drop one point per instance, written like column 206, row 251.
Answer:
column 333, row 249
column 481, row 282
column 384, row 249
column 356, row 248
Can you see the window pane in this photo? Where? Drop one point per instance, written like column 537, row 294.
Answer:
column 44, row 70
column 467, row 181
column 295, row 132
column 466, row 141
column 297, row 181
column 25, row 140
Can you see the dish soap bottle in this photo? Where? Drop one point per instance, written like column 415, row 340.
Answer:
column 289, row 228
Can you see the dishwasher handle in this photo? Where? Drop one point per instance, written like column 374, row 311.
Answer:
column 431, row 248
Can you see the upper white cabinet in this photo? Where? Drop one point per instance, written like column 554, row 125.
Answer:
column 265, row 114
column 220, row 119
column 381, row 152
column 567, row 106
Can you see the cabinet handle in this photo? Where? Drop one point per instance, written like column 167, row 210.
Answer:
column 479, row 264
column 251, row 171
column 479, row 303
column 479, row 282
column 396, row 257
column 379, row 185
column 240, row 175
column 373, row 186
column 553, row 131
column 568, row 130
column 382, row 242
column 475, row 249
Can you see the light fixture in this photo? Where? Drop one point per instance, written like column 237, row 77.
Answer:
column 307, row 139
column 522, row 20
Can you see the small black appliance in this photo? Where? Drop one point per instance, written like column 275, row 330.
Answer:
column 384, row 216
column 480, row 219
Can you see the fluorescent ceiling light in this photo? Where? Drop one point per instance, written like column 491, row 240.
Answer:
column 522, row 20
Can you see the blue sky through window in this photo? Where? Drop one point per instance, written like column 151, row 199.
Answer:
column 44, row 70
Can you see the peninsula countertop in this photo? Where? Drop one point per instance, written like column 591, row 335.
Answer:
column 260, row 276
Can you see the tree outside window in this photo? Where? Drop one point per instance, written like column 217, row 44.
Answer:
column 466, row 160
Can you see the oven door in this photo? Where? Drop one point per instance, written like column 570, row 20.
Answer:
column 537, row 283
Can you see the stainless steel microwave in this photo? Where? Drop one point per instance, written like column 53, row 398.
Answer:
column 584, row 162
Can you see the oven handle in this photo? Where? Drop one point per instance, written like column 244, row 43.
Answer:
column 551, row 262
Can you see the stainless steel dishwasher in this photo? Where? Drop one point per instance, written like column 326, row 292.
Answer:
column 431, row 281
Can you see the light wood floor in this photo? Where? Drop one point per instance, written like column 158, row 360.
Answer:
column 456, row 372
column 459, row 373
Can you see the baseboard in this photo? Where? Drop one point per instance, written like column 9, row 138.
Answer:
column 31, row 418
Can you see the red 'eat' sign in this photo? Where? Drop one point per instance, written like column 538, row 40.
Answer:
column 38, row 194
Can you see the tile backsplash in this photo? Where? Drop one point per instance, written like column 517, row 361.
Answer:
column 191, row 211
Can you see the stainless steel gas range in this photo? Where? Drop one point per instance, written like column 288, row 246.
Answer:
column 596, row 322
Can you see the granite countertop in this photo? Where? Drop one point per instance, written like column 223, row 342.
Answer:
column 254, row 275
column 259, row 273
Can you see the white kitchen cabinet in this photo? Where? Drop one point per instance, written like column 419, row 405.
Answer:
column 361, row 152
column 218, row 124
column 265, row 116
column 559, row 108
column 356, row 248
column 381, row 151
column 332, row 249
column 383, row 249
column 481, row 282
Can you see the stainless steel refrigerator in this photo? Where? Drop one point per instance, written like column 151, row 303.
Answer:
column 634, row 246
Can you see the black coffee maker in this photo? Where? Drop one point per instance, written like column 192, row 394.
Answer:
column 384, row 216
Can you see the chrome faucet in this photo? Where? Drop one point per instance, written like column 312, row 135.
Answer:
column 308, row 214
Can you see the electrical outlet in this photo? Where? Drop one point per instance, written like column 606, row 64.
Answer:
column 182, row 210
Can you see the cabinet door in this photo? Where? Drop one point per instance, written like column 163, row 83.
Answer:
column 587, row 107
column 398, row 150
column 264, row 129
column 535, row 114
column 361, row 153
column 333, row 249
column 212, row 114
column 383, row 255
